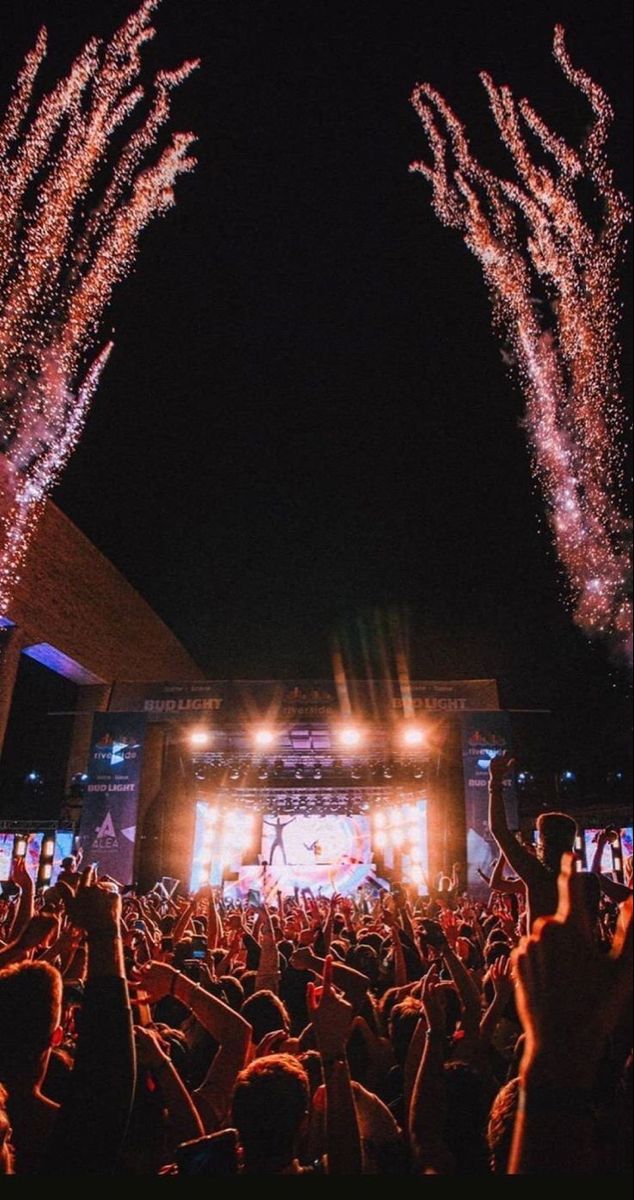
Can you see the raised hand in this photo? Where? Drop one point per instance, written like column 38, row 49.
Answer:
column 41, row 931
column 93, row 908
column 330, row 1014
column 150, row 1048
column 272, row 1043
column 501, row 977
column 449, row 926
column 570, row 995
column 432, row 1007
column 20, row 876
column 500, row 766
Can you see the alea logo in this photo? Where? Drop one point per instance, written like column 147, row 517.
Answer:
column 105, row 836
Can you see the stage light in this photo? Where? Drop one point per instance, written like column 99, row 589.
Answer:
column 199, row 738
column 19, row 846
column 417, row 874
column 413, row 735
column 211, row 816
column 409, row 812
column 264, row 737
column 33, row 777
column 350, row 736
column 379, row 820
column 398, row 836
column 568, row 776
column 380, row 840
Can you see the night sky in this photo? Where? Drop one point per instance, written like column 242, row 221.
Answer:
column 306, row 428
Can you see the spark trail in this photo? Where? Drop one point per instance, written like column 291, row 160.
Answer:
column 533, row 239
column 72, row 207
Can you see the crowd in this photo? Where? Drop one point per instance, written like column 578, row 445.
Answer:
column 380, row 1035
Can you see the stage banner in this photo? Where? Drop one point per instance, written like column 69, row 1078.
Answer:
column 107, row 831
column 484, row 735
column 451, row 695
column 160, row 700
column 242, row 701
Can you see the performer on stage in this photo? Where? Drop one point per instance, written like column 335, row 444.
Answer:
column 278, row 841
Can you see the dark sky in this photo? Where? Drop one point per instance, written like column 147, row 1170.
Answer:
column 306, row 419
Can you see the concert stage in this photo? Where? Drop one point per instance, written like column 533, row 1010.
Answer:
column 325, row 784
column 324, row 852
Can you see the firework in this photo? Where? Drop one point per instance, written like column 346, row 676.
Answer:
column 71, row 212
column 551, row 269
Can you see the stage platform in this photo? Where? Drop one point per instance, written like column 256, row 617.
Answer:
column 324, row 879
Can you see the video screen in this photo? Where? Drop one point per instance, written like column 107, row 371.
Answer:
column 33, row 851
column 222, row 838
column 590, row 839
column 63, row 849
column 6, row 854
column 315, row 841
column 400, row 837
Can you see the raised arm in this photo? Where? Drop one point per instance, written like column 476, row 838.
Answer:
column 428, row 1108
column 498, row 883
column 567, row 1014
column 183, row 1120
column 227, row 1027
column 500, row 975
column 604, row 837
column 41, row 931
column 615, row 891
column 400, row 966
column 268, row 975
column 332, row 1017
column 517, row 857
column 182, row 921
column 26, row 903
column 92, row 1122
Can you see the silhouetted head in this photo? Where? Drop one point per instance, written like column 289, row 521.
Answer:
column 270, row 1110
column 557, row 832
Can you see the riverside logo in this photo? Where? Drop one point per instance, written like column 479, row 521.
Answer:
column 113, row 751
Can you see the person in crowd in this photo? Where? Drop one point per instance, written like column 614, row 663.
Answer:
column 69, row 873
column 88, row 1128
column 556, row 836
